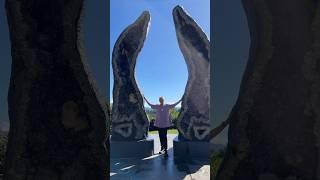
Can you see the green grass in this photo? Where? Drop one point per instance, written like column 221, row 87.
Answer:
column 170, row 131
column 215, row 162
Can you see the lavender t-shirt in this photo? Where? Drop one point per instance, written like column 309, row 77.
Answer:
column 162, row 118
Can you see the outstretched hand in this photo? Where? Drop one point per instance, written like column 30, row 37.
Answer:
column 178, row 102
column 145, row 99
column 181, row 98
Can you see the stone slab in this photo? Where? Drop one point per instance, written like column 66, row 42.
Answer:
column 196, row 149
column 132, row 149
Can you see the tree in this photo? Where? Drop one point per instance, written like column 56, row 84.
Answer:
column 174, row 114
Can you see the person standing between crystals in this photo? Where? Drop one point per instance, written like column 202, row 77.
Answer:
column 162, row 121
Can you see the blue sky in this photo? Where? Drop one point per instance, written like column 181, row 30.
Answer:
column 161, row 69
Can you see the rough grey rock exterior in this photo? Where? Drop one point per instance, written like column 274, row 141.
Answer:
column 274, row 128
column 129, row 120
column 193, row 122
column 58, row 123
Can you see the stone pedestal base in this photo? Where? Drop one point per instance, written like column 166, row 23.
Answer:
column 131, row 149
column 194, row 148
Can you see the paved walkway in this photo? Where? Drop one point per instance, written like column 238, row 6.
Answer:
column 159, row 167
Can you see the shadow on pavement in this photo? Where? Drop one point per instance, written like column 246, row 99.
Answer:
column 159, row 167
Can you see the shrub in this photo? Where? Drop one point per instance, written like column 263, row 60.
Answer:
column 215, row 162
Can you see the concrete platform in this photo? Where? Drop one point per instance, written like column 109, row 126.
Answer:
column 132, row 149
column 160, row 167
column 194, row 149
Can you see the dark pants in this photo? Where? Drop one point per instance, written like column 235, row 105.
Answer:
column 163, row 138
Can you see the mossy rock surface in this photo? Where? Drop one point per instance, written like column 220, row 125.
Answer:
column 3, row 145
column 215, row 162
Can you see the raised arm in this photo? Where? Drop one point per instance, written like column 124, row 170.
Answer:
column 174, row 105
column 151, row 105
